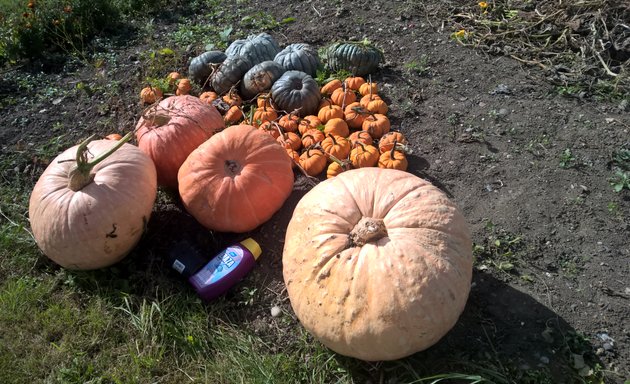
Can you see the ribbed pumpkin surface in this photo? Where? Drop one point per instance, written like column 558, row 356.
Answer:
column 236, row 180
column 296, row 91
column 172, row 129
column 394, row 295
column 358, row 58
column 299, row 57
column 98, row 225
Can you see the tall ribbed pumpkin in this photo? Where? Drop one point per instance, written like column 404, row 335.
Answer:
column 377, row 263
column 90, row 216
column 236, row 180
column 171, row 130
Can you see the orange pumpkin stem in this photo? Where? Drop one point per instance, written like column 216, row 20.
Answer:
column 368, row 229
column 81, row 175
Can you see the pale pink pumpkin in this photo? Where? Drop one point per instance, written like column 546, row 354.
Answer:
column 377, row 263
column 92, row 220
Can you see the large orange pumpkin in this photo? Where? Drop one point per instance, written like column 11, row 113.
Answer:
column 236, row 180
column 173, row 129
column 88, row 214
column 377, row 263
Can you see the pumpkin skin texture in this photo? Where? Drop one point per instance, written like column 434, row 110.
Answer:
column 360, row 58
column 200, row 67
column 260, row 78
column 295, row 90
column 230, row 72
column 236, row 180
column 97, row 225
column 377, row 263
column 299, row 57
column 173, row 129
column 257, row 48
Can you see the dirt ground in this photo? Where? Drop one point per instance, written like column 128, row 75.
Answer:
column 529, row 168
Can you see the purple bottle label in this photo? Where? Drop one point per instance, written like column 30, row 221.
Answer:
column 219, row 266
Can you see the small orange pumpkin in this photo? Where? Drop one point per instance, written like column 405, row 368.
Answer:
column 354, row 82
column 149, row 95
column 343, row 97
column 309, row 122
column 337, row 127
column 368, row 88
column 269, row 128
column 313, row 161
column 393, row 159
column 365, row 100
column 264, row 114
column 264, row 100
column 233, row 115
column 291, row 139
column 336, row 146
column 312, row 137
column 364, row 156
column 377, row 106
column 113, row 136
column 289, row 122
column 329, row 111
column 294, row 156
column 183, row 87
column 354, row 114
column 208, row 97
column 330, row 87
column 337, row 167
column 173, row 77
column 376, row 125
column 233, row 98
column 362, row 137
column 387, row 141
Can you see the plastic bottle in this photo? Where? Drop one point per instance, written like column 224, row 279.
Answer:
column 224, row 270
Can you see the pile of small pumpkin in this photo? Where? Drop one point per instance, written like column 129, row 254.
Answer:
column 349, row 129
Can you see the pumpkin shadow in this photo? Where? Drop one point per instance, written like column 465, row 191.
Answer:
column 504, row 335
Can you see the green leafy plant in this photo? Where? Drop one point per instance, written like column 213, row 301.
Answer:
column 620, row 180
column 419, row 66
column 567, row 160
column 499, row 250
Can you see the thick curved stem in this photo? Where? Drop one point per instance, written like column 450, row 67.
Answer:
column 81, row 174
column 367, row 230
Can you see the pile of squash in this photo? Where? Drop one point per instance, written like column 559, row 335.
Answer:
column 338, row 126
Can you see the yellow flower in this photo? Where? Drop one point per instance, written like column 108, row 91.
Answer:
column 483, row 5
column 460, row 34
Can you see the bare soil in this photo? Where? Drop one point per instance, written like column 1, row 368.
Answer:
column 552, row 252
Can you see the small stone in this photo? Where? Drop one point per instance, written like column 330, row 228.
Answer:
column 275, row 311
column 608, row 346
column 600, row 351
column 544, row 359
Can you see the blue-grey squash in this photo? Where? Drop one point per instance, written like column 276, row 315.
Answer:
column 300, row 57
column 296, row 91
column 359, row 58
column 201, row 67
column 260, row 78
column 257, row 48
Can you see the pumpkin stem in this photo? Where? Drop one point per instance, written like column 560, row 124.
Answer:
column 393, row 149
column 367, row 230
column 81, row 174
